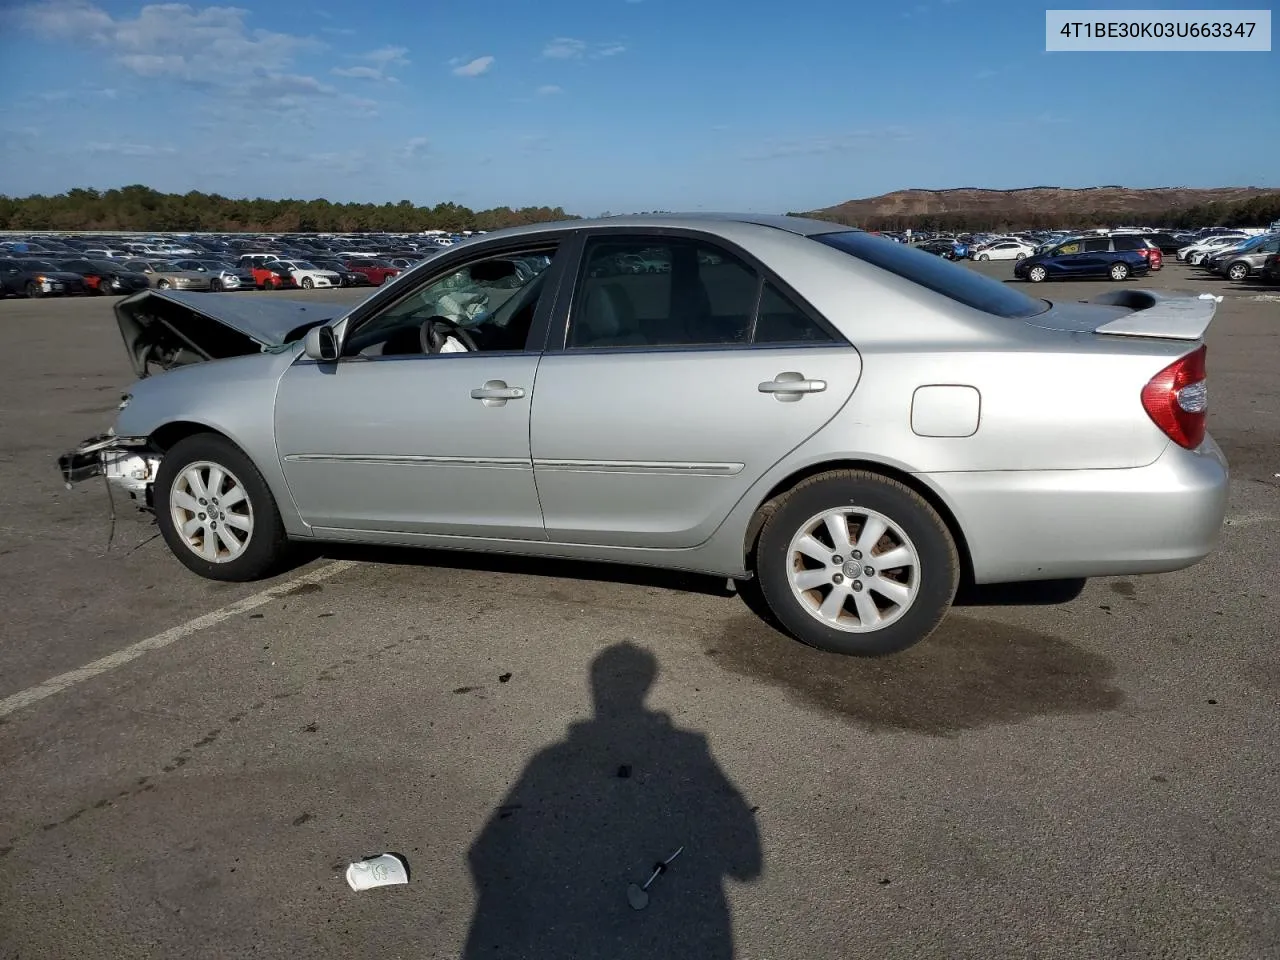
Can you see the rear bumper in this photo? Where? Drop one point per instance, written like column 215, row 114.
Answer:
column 1039, row 525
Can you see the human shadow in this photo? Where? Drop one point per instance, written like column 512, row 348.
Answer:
column 593, row 814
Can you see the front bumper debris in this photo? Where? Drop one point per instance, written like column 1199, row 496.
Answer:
column 128, row 463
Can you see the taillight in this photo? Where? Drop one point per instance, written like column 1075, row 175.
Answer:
column 1177, row 399
column 1144, row 253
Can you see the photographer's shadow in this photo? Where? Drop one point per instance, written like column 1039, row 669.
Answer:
column 591, row 815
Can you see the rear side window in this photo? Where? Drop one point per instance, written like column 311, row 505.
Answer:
column 1098, row 245
column 665, row 292
column 933, row 273
column 1128, row 243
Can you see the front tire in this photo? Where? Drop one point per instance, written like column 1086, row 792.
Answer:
column 33, row 291
column 162, row 285
column 983, row 256
column 307, row 283
column 1238, row 271
column 216, row 512
column 1037, row 274
column 856, row 563
column 1119, row 271
column 215, row 285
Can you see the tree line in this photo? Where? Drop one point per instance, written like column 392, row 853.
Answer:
column 139, row 208
column 1258, row 211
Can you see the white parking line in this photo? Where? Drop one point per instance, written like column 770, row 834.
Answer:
column 118, row 659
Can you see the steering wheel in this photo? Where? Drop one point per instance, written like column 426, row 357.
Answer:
column 436, row 330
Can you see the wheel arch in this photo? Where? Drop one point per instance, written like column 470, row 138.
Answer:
column 931, row 496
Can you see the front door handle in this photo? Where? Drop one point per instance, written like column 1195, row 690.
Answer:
column 495, row 393
column 791, row 386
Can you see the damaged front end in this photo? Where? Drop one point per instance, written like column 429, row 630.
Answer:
column 129, row 464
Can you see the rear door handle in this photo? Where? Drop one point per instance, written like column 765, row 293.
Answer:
column 790, row 386
column 495, row 393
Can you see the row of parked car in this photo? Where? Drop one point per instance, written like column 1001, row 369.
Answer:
column 1237, row 256
column 37, row 277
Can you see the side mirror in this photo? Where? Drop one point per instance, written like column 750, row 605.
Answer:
column 320, row 344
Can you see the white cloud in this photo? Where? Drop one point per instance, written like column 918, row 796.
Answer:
column 564, row 48
column 415, row 148
column 209, row 44
column 358, row 73
column 569, row 48
column 383, row 58
column 130, row 149
column 548, row 90
column 474, row 68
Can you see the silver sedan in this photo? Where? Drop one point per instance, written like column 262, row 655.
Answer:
column 848, row 426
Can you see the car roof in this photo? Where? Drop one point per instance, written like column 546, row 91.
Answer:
column 801, row 226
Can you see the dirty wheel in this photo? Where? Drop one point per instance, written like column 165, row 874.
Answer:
column 856, row 563
column 216, row 512
column 1119, row 271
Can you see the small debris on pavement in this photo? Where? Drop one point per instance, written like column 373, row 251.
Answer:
column 638, row 896
column 624, row 771
column 380, row 871
column 504, row 678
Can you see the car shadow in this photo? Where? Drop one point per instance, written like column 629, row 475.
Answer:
column 552, row 568
column 559, row 865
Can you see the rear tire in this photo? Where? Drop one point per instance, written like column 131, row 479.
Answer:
column 1119, row 271
column 264, row 543
column 846, row 610
column 1021, row 256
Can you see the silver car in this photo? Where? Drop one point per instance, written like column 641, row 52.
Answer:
column 848, row 425
column 165, row 275
column 222, row 276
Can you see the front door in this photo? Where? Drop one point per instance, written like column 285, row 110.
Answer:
column 422, row 426
column 685, row 375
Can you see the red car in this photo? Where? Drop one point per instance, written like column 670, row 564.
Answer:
column 269, row 276
column 376, row 270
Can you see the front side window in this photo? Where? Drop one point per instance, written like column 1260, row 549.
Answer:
column 1067, row 249
column 641, row 292
column 486, row 305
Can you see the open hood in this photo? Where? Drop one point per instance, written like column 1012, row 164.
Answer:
column 163, row 329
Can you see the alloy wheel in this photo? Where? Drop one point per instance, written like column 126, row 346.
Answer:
column 211, row 511
column 853, row 569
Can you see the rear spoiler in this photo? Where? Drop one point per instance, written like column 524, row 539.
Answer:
column 1176, row 316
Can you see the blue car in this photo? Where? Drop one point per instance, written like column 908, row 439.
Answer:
column 1083, row 257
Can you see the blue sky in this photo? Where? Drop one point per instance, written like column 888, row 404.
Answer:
column 615, row 105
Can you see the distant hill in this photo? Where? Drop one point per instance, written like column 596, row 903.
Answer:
column 1029, row 207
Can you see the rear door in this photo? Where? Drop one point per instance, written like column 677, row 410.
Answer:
column 1093, row 257
column 669, row 388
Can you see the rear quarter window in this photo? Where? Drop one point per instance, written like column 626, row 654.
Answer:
column 951, row 280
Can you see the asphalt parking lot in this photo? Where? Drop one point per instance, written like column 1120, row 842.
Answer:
column 1050, row 775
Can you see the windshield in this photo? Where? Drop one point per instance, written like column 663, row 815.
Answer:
column 303, row 265
column 941, row 276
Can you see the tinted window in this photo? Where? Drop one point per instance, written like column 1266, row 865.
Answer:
column 780, row 321
column 1127, row 243
column 1097, row 245
column 642, row 293
column 941, row 276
